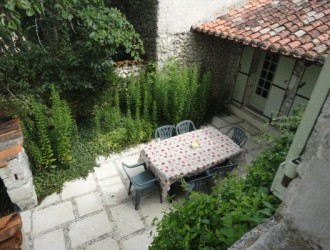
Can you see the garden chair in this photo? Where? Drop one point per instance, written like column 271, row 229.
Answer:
column 141, row 182
column 200, row 183
column 184, row 127
column 237, row 135
column 164, row 132
column 221, row 171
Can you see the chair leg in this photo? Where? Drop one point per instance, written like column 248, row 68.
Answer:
column 137, row 200
column 160, row 193
column 129, row 188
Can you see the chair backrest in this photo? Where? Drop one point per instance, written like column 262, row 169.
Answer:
column 164, row 132
column 222, row 171
column 201, row 184
column 184, row 127
column 237, row 135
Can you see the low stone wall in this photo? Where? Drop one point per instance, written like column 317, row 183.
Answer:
column 14, row 166
column 126, row 68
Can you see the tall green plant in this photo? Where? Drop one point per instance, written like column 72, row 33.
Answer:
column 64, row 128
column 37, row 140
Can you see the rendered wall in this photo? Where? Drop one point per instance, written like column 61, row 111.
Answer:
column 307, row 203
column 176, row 16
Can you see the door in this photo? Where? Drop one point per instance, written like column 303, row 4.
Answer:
column 263, row 84
column 242, row 74
column 270, row 88
column 279, row 86
column 305, row 87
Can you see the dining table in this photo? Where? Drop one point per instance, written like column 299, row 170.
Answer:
column 189, row 154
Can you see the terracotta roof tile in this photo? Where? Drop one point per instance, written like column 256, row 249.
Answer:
column 299, row 28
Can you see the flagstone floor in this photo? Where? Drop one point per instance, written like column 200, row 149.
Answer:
column 96, row 213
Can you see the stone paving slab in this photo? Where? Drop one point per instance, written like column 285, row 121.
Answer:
column 49, row 200
column 251, row 145
column 51, row 241
column 52, row 216
column 106, row 244
column 78, row 187
column 127, row 219
column 114, row 191
column 89, row 203
column 232, row 119
column 89, row 228
column 152, row 208
column 249, row 128
column 138, row 242
column 219, row 122
column 106, row 170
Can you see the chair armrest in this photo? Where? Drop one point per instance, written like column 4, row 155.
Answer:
column 147, row 182
column 135, row 165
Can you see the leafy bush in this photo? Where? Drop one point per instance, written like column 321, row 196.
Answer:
column 216, row 221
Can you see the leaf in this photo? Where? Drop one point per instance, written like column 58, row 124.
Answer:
column 30, row 12
column 12, row 25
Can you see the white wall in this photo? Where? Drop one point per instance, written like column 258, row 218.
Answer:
column 175, row 16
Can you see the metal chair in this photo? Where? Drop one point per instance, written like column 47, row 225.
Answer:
column 237, row 135
column 164, row 132
column 200, row 183
column 184, row 127
column 222, row 170
column 141, row 182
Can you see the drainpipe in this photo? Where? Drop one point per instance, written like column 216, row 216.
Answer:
column 288, row 170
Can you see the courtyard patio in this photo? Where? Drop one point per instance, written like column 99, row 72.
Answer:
column 97, row 213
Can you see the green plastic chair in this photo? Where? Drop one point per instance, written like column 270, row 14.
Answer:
column 199, row 183
column 141, row 182
column 237, row 135
column 184, row 127
column 221, row 170
column 164, row 132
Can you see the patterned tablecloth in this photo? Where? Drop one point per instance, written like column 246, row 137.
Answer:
column 174, row 158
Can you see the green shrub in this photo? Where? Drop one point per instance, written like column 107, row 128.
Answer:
column 216, row 221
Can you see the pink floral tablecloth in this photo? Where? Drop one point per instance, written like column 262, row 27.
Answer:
column 174, row 158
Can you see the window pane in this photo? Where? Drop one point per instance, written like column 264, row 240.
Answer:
column 267, row 85
column 258, row 91
column 266, row 65
column 264, row 93
column 270, row 76
column 263, row 74
column 261, row 83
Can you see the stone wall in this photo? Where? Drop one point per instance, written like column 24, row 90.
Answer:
column 219, row 56
column 125, row 69
column 14, row 166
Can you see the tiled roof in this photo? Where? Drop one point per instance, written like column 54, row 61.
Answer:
column 298, row 28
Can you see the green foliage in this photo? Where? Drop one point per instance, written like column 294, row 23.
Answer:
column 83, row 160
column 216, row 221
column 64, row 129
column 71, row 44
column 171, row 94
column 37, row 138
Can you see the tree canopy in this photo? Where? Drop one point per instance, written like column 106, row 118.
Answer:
column 69, row 43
